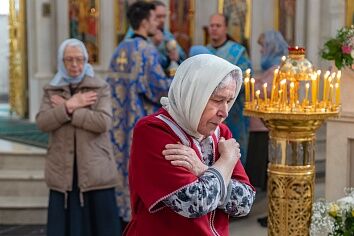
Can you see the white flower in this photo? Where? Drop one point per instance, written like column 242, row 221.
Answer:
column 348, row 199
column 352, row 53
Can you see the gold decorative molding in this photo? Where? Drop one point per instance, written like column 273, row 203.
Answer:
column 276, row 14
column 17, row 58
column 191, row 16
column 349, row 12
column 220, row 6
column 120, row 20
column 290, row 196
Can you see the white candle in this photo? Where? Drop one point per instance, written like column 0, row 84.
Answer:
column 265, row 91
column 252, row 88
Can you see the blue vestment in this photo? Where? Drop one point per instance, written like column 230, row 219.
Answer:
column 236, row 121
column 137, row 83
column 163, row 58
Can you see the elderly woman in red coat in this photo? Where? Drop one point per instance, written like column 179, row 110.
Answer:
column 185, row 173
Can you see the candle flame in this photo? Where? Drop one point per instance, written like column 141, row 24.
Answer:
column 333, row 75
column 265, row 85
column 327, row 74
column 252, row 80
column 339, row 75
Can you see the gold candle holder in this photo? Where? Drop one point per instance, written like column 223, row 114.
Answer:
column 292, row 125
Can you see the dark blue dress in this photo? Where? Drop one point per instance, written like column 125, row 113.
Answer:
column 97, row 217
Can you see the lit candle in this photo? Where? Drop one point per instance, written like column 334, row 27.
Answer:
column 314, row 89
column 318, row 84
column 307, row 92
column 274, row 85
column 337, row 94
column 248, row 72
column 329, row 84
column 333, row 75
column 265, row 91
column 283, row 58
column 252, row 88
column 339, row 75
column 247, row 89
column 331, row 94
column 325, row 77
column 258, row 92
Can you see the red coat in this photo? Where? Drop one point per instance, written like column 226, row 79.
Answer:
column 152, row 179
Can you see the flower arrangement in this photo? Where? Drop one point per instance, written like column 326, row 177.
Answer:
column 341, row 48
column 334, row 218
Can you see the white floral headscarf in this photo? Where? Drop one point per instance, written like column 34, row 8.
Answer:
column 194, row 82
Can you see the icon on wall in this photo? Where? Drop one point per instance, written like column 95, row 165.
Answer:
column 83, row 25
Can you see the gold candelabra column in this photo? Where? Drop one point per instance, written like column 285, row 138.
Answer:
column 292, row 114
column 17, row 58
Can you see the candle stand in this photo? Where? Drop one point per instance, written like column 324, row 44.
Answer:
column 293, row 113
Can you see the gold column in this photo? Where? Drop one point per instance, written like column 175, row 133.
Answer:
column 291, row 174
column 291, row 169
column 17, row 58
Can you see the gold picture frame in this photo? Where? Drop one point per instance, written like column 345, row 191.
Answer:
column 182, row 22
column 121, row 22
column 349, row 14
column 84, row 25
column 239, row 14
column 284, row 19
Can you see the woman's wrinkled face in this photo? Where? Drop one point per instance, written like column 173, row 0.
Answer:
column 73, row 61
column 217, row 109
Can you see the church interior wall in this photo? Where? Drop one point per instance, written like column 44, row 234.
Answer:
column 40, row 51
column 204, row 9
column 316, row 20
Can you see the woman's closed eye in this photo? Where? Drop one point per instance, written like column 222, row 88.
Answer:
column 221, row 100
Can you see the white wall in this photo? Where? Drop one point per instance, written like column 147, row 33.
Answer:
column 262, row 20
column 203, row 10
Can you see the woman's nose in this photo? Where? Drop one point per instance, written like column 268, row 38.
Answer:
column 223, row 110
